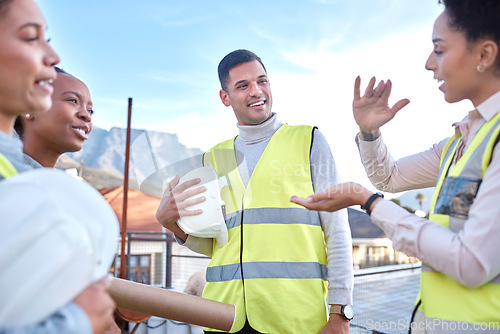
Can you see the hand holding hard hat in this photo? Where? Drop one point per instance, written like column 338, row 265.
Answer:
column 211, row 222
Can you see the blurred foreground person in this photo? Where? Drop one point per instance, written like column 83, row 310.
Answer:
column 26, row 74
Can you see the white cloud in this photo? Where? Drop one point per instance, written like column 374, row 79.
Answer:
column 201, row 130
column 324, row 97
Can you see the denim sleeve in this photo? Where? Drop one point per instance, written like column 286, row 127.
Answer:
column 70, row 319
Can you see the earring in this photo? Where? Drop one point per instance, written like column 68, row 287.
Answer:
column 480, row 68
column 27, row 115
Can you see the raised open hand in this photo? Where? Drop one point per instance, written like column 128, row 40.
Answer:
column 372, row 110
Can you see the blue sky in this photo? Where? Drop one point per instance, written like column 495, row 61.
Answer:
column 164, row 54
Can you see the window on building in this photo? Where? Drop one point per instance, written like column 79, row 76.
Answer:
column 139, row 268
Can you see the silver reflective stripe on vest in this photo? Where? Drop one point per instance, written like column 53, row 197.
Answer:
column 233, row 219
column 288, row 270
column 457, row 193
column 466, row 185
column 475, row 161
column 425, row 325
column 274, row 216
column 223, row 273
column 449, row 152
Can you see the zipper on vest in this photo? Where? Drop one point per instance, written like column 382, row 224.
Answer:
column 241, row 245
column 241, row 262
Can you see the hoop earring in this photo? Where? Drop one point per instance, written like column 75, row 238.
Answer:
column 480, row 68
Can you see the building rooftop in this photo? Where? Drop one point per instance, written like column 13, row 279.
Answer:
column 141, row 209
column 362, row 226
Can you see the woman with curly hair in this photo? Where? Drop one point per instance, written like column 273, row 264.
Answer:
column 459, row 242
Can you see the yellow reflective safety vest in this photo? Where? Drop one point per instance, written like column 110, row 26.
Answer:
column 442, row 297
column 6, row 168
column 273, row 269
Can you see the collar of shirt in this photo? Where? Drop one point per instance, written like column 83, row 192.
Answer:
column 490, row 107
column 251, row 134
column 469, row 126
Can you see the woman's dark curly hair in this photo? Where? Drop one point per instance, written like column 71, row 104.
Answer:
column 477, row 19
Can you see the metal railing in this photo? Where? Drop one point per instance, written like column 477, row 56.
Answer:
column 168, row 266
column 383, row 296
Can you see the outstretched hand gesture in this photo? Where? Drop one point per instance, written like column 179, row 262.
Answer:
column 338, row 197
column 372, row 110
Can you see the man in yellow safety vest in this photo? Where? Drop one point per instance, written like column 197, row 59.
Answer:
column 279, row 263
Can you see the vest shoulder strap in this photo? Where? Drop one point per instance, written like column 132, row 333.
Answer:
column 494, row 145
column 492, row 142
column 6, row 168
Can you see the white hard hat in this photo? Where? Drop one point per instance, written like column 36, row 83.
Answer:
column 211, row 223
column 57, row 236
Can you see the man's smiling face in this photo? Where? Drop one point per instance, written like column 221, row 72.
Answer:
column 248, row 93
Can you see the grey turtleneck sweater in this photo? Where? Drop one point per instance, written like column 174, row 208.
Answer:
column 252, row 141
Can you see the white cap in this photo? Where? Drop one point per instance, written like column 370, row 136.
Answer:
column 57, row 236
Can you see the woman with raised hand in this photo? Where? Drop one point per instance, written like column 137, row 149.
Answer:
column 458, row 244
column 26, row 75
column 63, row 128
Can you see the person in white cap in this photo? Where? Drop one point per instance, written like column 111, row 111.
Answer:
column 52, row 249
column 26, row 74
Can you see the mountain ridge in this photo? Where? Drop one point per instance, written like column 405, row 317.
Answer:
column 105, row 150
